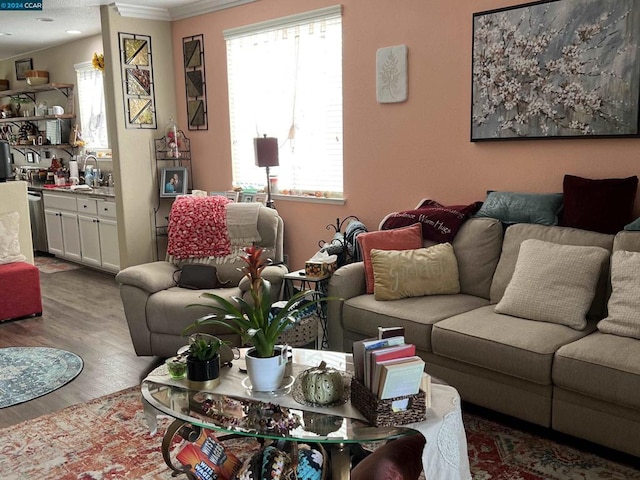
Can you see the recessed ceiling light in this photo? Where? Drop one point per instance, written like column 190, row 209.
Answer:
column 73, row 32
column 44, row 19
column 5, row 34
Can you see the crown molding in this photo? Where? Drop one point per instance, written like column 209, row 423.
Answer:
column 137, row 11
column 202, row 7
column 192, row 9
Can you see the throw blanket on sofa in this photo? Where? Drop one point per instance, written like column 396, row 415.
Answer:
column 235, row 225
column 198, row 228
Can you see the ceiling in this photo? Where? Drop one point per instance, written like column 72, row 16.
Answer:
column 23, row 32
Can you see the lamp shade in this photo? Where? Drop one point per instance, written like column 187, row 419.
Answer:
column 266, row 149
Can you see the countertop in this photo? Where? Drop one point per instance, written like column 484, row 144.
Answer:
column 102, row 192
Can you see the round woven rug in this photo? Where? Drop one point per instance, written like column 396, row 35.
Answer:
column 30, row 372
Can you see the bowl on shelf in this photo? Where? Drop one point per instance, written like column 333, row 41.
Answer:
column 37, row 77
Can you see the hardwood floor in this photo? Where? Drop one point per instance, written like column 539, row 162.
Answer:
column 82, row 313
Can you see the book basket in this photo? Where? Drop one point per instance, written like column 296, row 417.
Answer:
column 380, row 413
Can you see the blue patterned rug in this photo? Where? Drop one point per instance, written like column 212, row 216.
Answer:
column 30, row 372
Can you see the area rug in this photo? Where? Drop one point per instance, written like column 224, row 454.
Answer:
column 30, row 372
column 54, row 265
column 108, row 438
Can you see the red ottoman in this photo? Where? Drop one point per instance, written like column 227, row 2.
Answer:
column 19, row 291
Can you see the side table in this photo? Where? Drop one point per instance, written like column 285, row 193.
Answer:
column 319, row 286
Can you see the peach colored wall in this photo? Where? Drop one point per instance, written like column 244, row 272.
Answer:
column 395, row 154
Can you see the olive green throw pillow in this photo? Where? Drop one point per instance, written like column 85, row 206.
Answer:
column 624, row 303
column 414, row 273
column 553, row 283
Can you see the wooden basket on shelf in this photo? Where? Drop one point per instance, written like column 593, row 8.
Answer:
column 380, row 412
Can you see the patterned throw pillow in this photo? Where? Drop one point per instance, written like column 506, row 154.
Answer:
column 414, row 273
column 553, row 283
column 624, row 303
column 439, row 223
column 9, row 238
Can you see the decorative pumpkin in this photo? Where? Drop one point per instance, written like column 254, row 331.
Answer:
column 322, row 385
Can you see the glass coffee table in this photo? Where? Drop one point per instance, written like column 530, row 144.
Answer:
column 234, row 409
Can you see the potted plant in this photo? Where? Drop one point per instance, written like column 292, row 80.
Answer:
column 203, row 360
column 255, row 323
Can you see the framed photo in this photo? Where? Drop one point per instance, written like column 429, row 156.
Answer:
column 173, row 181
column 22, row 67
column 248, row 197
column 556, row 69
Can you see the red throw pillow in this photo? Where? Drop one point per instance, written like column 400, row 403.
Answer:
column 604, row 206
column 439, row 223
column 407, row 238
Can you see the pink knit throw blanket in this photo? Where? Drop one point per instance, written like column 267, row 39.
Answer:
column 198, row 227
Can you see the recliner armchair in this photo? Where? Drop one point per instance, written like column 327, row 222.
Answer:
column 155, row 307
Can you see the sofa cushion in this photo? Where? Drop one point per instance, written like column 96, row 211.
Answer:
column 512, row 346
column 516, row 234
column 627, row 240
column 553, row 283
column 407, row 238
column 602, row 366
column 512, row 207
column 624, row 304
column 439, row 223
column 604, row 205
column 167, row 311
column 477, row 247
column 413, row 273
column 363, row 314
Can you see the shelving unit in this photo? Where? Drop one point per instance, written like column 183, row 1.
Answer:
column 31, row 93
column 165, row 157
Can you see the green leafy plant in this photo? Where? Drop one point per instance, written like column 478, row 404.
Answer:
column 253, row 320
column 205, row 347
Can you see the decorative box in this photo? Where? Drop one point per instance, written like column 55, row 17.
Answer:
column 380, row 412
column 319, row 269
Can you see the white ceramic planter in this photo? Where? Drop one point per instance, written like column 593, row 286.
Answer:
column 266, row 374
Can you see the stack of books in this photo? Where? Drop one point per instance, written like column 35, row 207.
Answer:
column 388, row 366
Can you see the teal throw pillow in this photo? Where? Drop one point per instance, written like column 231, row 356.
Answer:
column 635, row 225
column 511, row 207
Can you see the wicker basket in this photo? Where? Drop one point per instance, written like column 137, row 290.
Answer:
column 379, row 412
column 303, row 332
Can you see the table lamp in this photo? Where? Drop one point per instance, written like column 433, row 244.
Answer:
column 266, row 149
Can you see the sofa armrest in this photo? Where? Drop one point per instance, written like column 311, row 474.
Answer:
column 273, row 273
column 345, row 283
column 150, row 277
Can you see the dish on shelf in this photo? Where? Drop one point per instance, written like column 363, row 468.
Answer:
column 37, row 77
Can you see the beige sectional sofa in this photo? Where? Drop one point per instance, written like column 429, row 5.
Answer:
column 581, row 382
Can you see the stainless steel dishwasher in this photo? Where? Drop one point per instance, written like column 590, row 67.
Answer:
column 38, row 226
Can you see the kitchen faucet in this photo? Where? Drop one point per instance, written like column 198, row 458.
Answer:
column 96, row 172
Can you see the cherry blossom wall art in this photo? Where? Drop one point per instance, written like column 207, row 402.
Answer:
column 556, row 69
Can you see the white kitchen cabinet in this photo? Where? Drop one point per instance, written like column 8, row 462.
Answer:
column 89, row 240
column 99, row 233
column 61, row 219
column 83, row 229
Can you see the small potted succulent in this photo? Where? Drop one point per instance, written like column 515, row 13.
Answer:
column 203, row 359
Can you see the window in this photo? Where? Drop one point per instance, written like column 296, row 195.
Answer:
column 285, row 81
column 93, row 121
